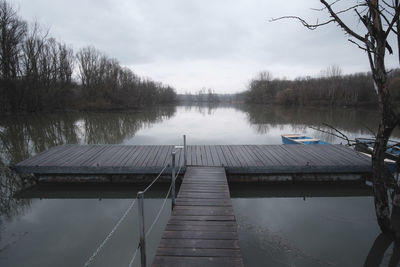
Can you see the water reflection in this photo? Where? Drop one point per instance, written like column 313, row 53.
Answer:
column 378, row 249
column 10, row 207
column 352, row 121
column 23, row 136
column 284, row 225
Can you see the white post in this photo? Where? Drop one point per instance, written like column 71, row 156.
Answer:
column 184, row 150
column 173, row 180
column 142, row 241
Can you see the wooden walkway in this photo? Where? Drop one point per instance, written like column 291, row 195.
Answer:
column 240, row 159
column 202, row 228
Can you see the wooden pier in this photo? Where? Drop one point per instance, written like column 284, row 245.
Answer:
column 236, row 159
column 202, row 228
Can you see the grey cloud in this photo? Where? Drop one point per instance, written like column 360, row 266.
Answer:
column 186, row 43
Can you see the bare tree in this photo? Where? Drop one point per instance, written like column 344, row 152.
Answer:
column 12, row 32
column 381, row 21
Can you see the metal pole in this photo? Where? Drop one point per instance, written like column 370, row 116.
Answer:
column 142, row 241
column 173, row 180
column 184, row 150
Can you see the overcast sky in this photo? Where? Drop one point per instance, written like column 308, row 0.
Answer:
column 190, row 44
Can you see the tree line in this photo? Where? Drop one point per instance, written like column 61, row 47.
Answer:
column 330, row 88
column 37, row 72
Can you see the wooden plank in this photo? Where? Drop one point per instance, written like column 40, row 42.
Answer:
column 210, row 161
column 204, row 211
column 268, row 156
column 179, row 261
column 53, row 157
column 152, row 157
column 201, row 252
column 214, row 155
column 300, row 156
column 161, row 156
column 168, row 157
column 203, row 228
column 76, row 157
column 198, row 243
column 43, row 155
column 149, row 154
column 227, row 154
column 120, row 156
column 193, row 155
column 286, row 158
column 133, row 158
column 268, row 159
column 199, row 158
column 322, row 156
column 221, row 156
column 202, row 224
column 88, row 161
column 200, row 235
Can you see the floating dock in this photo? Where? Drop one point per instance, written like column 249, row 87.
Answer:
column 202, row 229
column 236, row 159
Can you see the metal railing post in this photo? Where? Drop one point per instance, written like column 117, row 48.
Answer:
column 184, row 150
column 142, row 241
column 173, row 180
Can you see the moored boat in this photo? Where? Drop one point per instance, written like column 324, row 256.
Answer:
column 300, row 139
column 366, row 145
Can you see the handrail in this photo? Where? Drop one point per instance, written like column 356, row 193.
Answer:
column 133, row 257
column 159, row 212
column 140, row 197
column 100, row 247
column 158, row 176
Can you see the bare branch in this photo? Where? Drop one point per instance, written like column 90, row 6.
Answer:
column 338, row 133
column 305, row 23
column 358, row 45
column 341, row 23
column 370, row 130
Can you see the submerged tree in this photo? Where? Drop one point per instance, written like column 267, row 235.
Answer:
column 380, row 20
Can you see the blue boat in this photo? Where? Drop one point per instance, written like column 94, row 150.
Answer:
column 366, row 145
column 301, row 139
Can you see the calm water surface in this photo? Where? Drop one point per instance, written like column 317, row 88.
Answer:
column 279, row 225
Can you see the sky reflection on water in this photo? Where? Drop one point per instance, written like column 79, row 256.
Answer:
column 50, row 228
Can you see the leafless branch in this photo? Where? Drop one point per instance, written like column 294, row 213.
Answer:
column 341, row 23
column 358, row 45
column 338, row 133
column 305, row 23
column 370, row 130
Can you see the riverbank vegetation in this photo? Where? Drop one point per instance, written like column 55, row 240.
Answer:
column 330, row 88
column 37, row 72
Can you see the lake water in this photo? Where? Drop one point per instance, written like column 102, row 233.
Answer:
column 278, row 225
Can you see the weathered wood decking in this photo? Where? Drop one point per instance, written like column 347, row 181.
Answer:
column 236, row 159
column 202, row 228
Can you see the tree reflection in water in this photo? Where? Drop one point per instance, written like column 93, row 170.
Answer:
column 378, row 249
column 348, row 120
column 10, row 207
column 24, row 136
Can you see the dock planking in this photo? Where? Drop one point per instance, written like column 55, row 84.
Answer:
column 236, row 159
column 202, row 229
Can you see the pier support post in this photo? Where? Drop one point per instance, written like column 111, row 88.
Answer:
column 184, row 151
column 142, row 242
column 173, row 179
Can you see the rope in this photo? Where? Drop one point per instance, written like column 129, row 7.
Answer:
column 177, row 173
column 133, row 257
column 158, row 176
column 89, row 261
column 159, row 212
